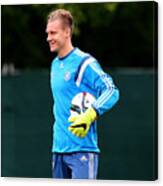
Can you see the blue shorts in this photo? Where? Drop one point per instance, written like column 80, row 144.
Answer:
column 78, row 165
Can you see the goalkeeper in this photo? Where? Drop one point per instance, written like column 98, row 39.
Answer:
column 75, row 148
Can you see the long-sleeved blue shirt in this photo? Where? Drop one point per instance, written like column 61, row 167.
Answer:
column 73, row 75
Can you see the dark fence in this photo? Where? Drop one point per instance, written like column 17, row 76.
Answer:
column 127, row 133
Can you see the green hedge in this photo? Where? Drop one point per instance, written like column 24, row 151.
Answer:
column 127, row 133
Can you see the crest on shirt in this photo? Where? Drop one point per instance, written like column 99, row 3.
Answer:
column 67, row 76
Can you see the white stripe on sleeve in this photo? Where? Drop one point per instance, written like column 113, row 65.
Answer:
column 84, row 65
column 104, row 98
column 109, row 84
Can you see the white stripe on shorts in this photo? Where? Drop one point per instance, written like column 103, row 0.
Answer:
column 91, row 166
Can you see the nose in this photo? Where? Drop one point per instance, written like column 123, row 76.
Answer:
column 48, row 38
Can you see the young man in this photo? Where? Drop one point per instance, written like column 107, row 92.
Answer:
column 82, row 92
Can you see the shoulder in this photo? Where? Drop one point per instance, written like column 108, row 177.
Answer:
column 80, row 54
column 85, row 58
column 54, row 61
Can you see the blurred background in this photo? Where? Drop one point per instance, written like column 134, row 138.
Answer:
column 123, row 37
column 118, row 34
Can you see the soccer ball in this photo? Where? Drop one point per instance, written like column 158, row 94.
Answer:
column 81, row 102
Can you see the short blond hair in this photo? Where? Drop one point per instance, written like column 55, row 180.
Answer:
column 63, row 15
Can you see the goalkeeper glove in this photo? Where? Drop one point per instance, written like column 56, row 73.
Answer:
column 81, row 123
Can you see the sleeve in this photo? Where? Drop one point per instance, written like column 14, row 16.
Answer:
column 92, row 75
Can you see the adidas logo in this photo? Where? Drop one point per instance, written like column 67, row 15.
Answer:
column 83, row 158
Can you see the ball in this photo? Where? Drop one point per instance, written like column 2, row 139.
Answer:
column 81, row 102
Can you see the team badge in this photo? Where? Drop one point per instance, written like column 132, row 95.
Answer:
column 67, row 76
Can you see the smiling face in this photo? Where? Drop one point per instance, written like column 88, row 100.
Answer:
column 57, row 35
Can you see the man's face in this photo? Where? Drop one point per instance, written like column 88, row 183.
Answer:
column 56, row 35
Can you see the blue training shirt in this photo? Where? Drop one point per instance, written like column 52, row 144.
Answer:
column 75, row 73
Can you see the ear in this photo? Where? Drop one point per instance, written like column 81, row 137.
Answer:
column 68, row 32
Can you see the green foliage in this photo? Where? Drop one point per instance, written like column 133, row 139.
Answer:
column 118, row 34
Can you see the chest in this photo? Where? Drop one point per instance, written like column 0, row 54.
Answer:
column 63, row 75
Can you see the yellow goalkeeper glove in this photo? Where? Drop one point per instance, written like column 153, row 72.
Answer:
column 81, row 123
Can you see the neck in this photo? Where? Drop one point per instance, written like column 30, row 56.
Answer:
column 65, row 50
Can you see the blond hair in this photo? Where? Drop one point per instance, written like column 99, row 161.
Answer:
column 63, row 15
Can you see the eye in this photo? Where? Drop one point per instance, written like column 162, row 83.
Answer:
column 53, row 32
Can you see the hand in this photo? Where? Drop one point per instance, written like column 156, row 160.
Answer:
column 82, row 122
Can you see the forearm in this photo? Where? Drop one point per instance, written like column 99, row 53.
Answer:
column 106, row 100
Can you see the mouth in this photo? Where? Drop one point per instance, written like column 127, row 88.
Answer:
column 52, row 46
column 52, row 43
